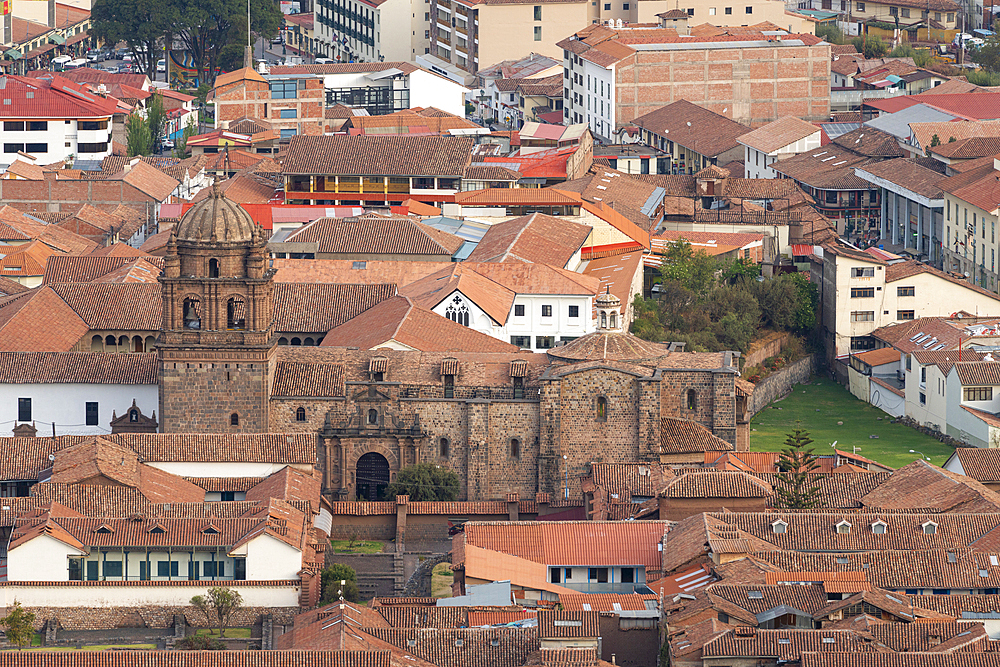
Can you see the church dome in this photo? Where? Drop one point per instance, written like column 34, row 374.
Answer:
column 607, row 300
column 216, row 219
column 609, row 346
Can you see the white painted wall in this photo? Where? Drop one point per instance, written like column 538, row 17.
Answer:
column 962, row 424
column 55, row 137
column 757, row 164
column 103, row 595
column 64, row 404
column 600, row 101
column 270, row 558
column 431, row 90
column 41, row 559
column 934, row 410
column 223, row 469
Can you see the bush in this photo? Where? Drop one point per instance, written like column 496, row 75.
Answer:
column 200, row 643
column 831, row 33
column 330, row 579
column 425, row 481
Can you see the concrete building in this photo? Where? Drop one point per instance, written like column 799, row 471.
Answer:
column 616, row 75
column 777, row 140
column 364, row 31
column 292, row 102
column 971, row 200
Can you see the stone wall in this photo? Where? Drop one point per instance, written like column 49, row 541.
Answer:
column 110, row 618
column 765, row 348
column 378, row 574
column 777, row 385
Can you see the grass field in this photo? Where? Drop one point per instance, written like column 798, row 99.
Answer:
column 441, row 579
column 818, row 407
column 101, row 647
column 359, row 546
column 231, row 633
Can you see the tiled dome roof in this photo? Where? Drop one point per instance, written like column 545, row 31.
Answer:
column 216, row 219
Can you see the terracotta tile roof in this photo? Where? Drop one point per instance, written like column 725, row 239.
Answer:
column 531, row 238
column 225, row 483
column 564, row 543
column 39, row 321
column 567, row 624
column 473, row 647
column 514, row 196
column 200, row 658
column 135, row 271
column 244, row 187
column 626, row 480
column 607, row 602
column 313, row 380
column 923, row 486
column 978, row 186
column 843, row 659
column 924, row 132
column 909, row 174
column 908, row 337
column 77, row 367
column 885, row 355
column 696, row 128
column 112, row 306
column 87, row 268
column 57, row 97
column 243, row 74
column 943, row 637
column 392, row 155
column 427, row 617
column 372, row 234
column 387, row 272
column 783, row 645
column 478, row 619
column 400, row 319
column 982, row 465
column 964, row 149
column 903, row 270
column 288, row 484
column 25, row 260
column 150, row 181
column 283, row 448
column 345, row 68
column 681, row 435
column 319, row 307
column 978, row 372
column 716, row 484
column 754, row 598
column 954, row 605
column 840, row 490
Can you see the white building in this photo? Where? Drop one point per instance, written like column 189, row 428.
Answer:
column 384, row 87
column 372, row 30
column 533, row 306
column 75, row 393
column 590, row 95
column 775, row 141
column 53, row 119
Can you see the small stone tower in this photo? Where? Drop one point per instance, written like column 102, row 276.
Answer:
column 217, row 339
column 609, row 316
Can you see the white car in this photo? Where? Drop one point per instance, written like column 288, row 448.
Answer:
column 167, row 143
column 161, row 65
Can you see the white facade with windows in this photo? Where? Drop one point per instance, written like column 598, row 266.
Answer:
column 589, row 92
column 71, row 408
column 535, row 322
column 757, row 163
column 56, row 140
column 357, row 31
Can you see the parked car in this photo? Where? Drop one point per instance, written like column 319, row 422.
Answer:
column 167, row 143
column 161, row 65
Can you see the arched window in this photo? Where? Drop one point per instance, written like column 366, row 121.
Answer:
column 373, row 416
column 602, row 408
column 150, row 343
column 236, row 313
column 443, row 447
column 692, row 399
column 123, row 344
column 97, row 344
column 137, row 344
column 300, row 414
column 604, row 320
column 308, row 341
column 192, row 313
column 213, row 268
column 515, row 448
column 282, row 341
column 133, row 415
column 614, row 324
column 234, row 419
column 457, row 312
column 296, row 341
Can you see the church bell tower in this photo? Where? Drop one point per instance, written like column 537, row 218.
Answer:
column 217, row 340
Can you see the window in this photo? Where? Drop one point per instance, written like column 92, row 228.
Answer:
column 538, row 12
column 37, row 148
column 112, row 568
column 749, row 10
column 545, row 342
column 234, row 419
column 214, row 568
column 569, row 574
column 628, row 575
column 236, row 313
column 519, row 310
column 862, row 343
column 91, row 412
column 523, row 342
column 905, row 291
column 37, row 125
column 711, row 11
column 779, row 527
column 288, row 113
column 969, row 394
column 607, row 6
column 937, row 16
column 905, row 12
column 863, row 316
column 24, row 409
column 554, row 575
column 546, row 311
column 538, row 33
column 283, row 90
column 300, row 414
column 99, row 147
column 729, row 10
column 443, row 447
column 923, row 398
column 602, row 409
column 894, row 11
column 213, row 268
column 599, row 574
column 76, row 569
column 515, row 448
column 862, row 292
column 904, row 314
column 373, row 417
column 166, row 568
column 92, row 125
column 843, row 528
column 951, row 17
column 13, row 148
column 625, row 6
column 574, row 311
column 691, row 399
column 930, row 528
column 288, row 133
column 449, row 386
column 878, row 528
column 13, row 126
column 863, row 272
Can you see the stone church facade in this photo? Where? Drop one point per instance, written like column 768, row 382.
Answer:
column 505, row 422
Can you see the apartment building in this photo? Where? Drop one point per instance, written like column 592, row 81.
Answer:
column 615, row 75
column 467, row 34
column 292, row 102
column 359, row 31
column 53, row 119
column 946, row 14
column 971, row 202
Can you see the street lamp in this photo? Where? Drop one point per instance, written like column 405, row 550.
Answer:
column 913, row 451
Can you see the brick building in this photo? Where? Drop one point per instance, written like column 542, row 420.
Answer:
column 291, row 103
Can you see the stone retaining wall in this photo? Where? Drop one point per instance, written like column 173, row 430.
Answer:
column 780, row 383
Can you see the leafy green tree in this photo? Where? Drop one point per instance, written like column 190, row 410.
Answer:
column 987, row 56
column 200, row 643
column 983, row 77
column 139, row 140
column 830, row 33
column 425, row 481
column 180, row 149
column 797, row 464
column 19, row 626
column 871, row 46
column 209, row 29
column 156, row 119
column 330, row 579
column 739, row 270
column 222, row 603
column 141, row 24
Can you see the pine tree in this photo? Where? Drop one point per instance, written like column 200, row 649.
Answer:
column 797, row 463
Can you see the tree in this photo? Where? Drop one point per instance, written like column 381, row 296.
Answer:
column 984, row 77
column 921, row 57
column 19, row 626
column 210, row 28
column 200, row 643
column 181, row 149
column 221, row 602
column 425, row 481
column 330, row 579
column 935, row 140
column 797, row 463
column 139, row 23
column 156, row 119
column 871, row 46
column 137, row 135
column 830, row 32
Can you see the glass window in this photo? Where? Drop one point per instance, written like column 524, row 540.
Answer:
column 91, row 409
column 288, row 133
column 905, row 291
column 538, row 12
column 13, row 148
column 978, row 393
column 904, row 314
column 37, row 125
column 545, row 342
column 863, row 316
column 729, row 10
column 13, row 126
column 112, row 568
column 24, row 409
column 283, row 90
column 519, row 310
column 37, row 148
column 288, row 113
column 599, row 575
column 574, row 311
column 546, row 311
column 538, row 33
column 523, row 342
column 862, row 292
column 628, row 575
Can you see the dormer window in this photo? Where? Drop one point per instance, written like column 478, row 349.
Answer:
column 779, row 527
column 930, row 528
column 157, row 530
column 844, row 527
column 210, row 530
column 878, row 528
column 103, row 529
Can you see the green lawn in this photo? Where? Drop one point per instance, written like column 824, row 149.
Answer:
column 231, row 633
column 358, row 547
column 818, row 407
column 441, row 580
column 102, row 647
